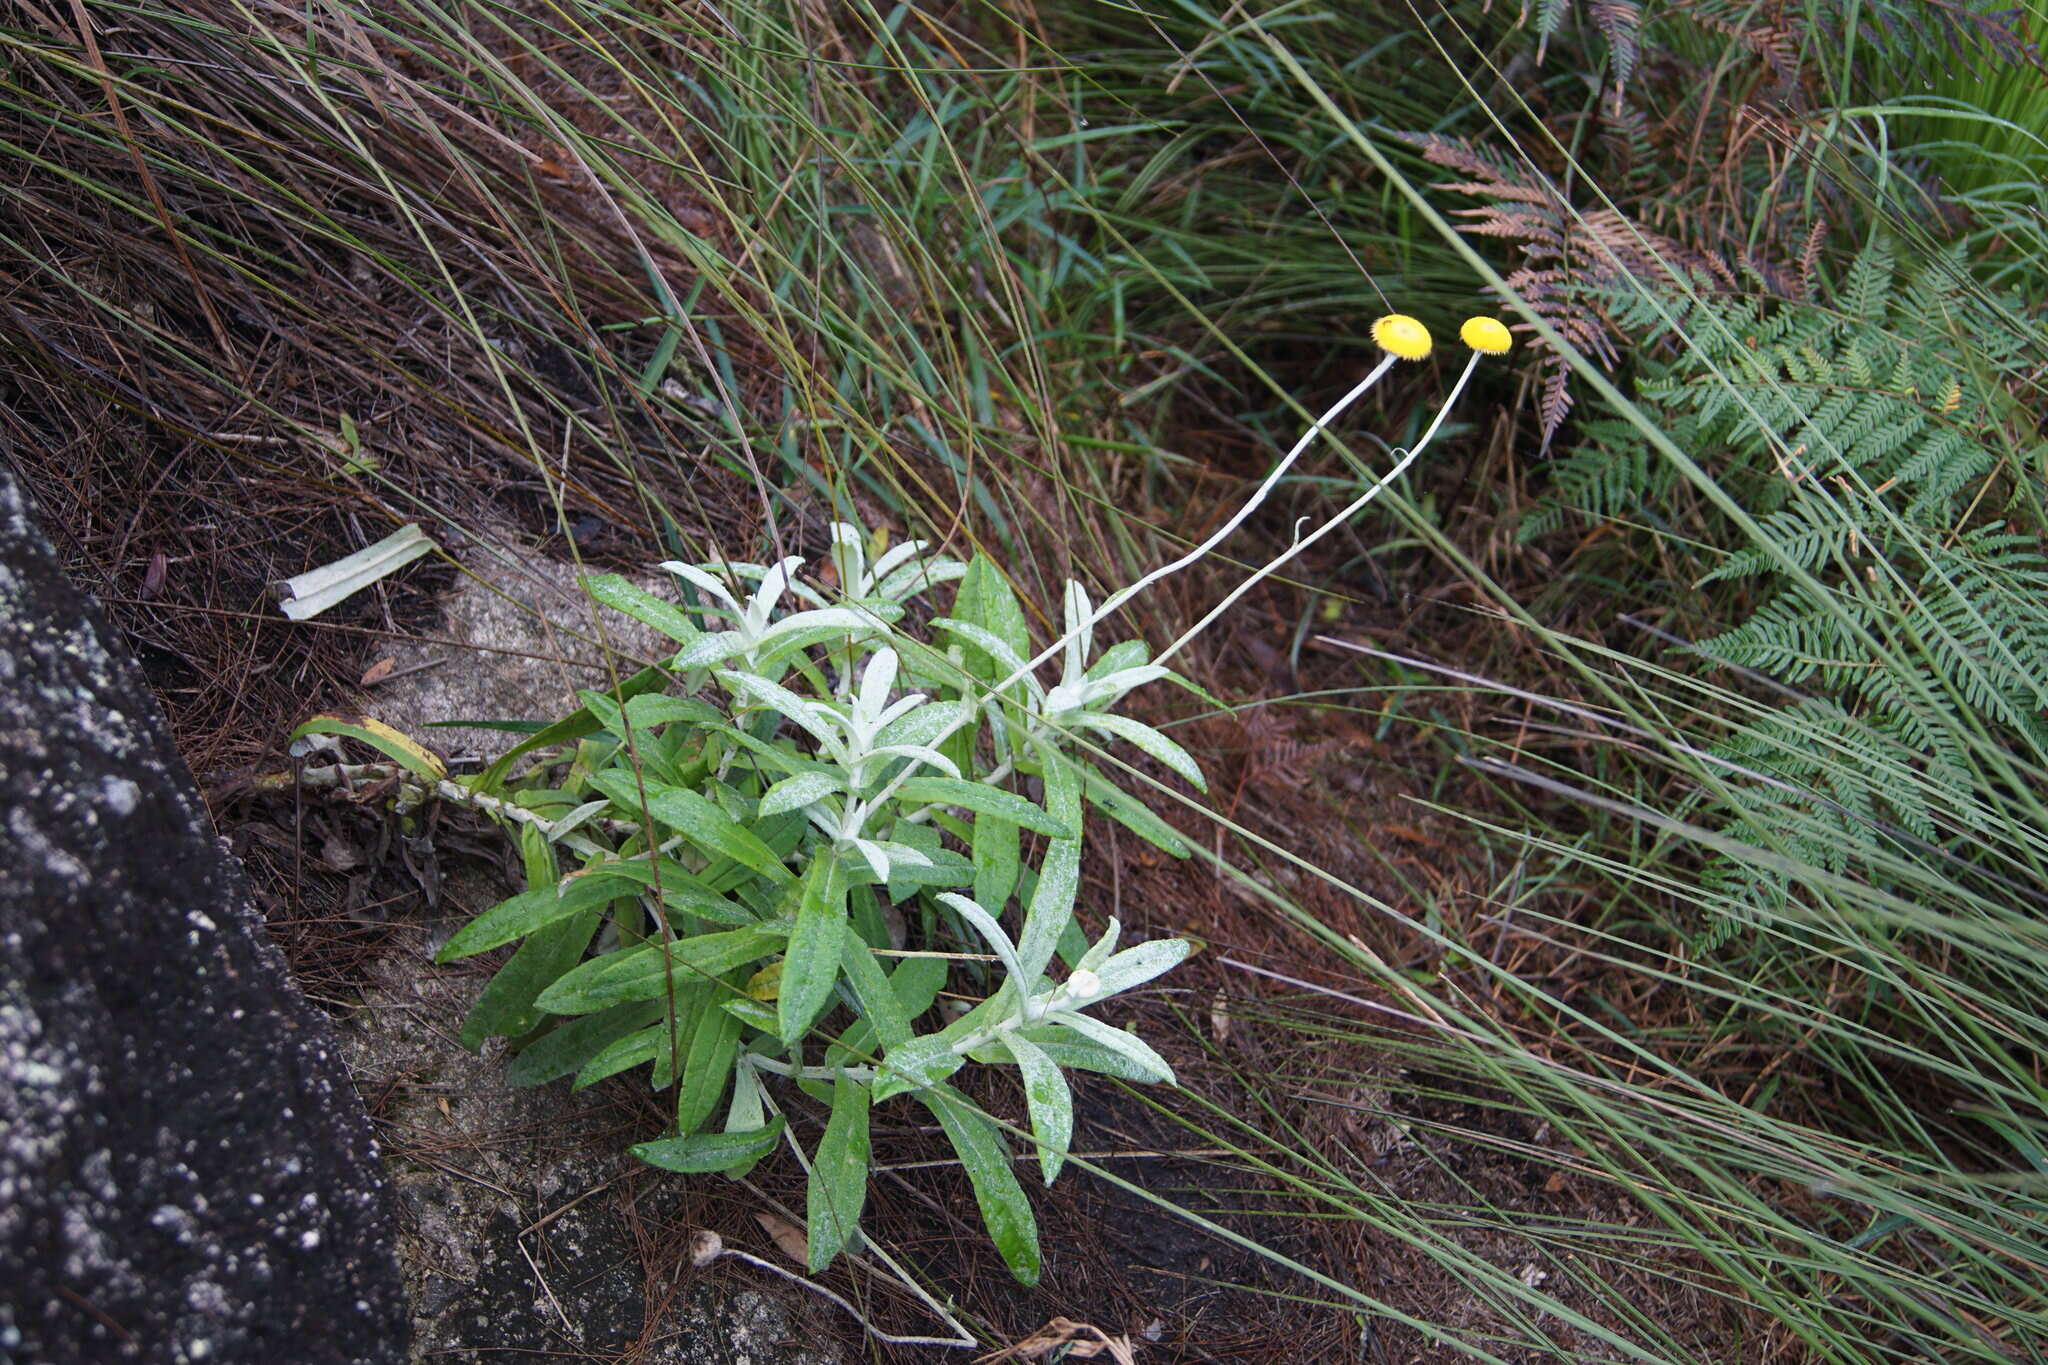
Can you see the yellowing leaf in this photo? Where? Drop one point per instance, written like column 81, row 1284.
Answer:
column 400, row 748
column 765, row 984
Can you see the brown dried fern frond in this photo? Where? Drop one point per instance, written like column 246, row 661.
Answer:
column 1572, row 260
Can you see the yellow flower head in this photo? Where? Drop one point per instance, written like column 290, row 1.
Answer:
column 1486, row 334
column 1400, row 335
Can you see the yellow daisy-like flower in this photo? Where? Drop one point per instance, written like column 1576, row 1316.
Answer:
column 1400, row 335
column 1486, row 334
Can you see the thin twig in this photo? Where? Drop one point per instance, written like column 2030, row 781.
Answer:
column 709, row 1247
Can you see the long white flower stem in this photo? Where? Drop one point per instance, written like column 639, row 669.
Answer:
column 1357, row 505
column 1358, row 391
column 1118, row 598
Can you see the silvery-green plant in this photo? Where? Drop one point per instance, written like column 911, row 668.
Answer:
column 777, row 831
column 765, row 821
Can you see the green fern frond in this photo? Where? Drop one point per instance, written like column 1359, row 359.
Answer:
column 1870, row 434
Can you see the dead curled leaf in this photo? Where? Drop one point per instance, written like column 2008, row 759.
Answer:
column 1083, row 1341
column 789, row 1239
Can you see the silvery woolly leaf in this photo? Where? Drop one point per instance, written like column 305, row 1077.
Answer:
column 1108, row 688
column 1133, row 1049
column 876, row 682
column 709, row 650
column 1079, row 633
column 921, row 724
column 872, row 853
column 913, row 579
column 896, row 556
column 1124, row 654
column 896, row 710
column 903, row 853
column 1151, row 741
column 745, row 1113
column 1007, row 659
column 706, row 582
column 917, row 753
column 820, row 722
column 763, row 603
column 795, row 793
column 1099, row 952
column 921, row 1062
column 1050, row 1101
column 823, row 618
column 568, row 824
column 990, row 929
column 1135, row 966
column 1052, row 905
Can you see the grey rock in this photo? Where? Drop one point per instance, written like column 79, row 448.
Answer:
column 518, row 636
column 525, row 1230
column 186, row 1174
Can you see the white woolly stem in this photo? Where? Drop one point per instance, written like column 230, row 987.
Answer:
column 1124, row 595
column 1117, row 599
column 1357, row 505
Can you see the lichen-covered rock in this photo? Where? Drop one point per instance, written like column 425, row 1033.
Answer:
column 526, row 1231
column 186, row 1174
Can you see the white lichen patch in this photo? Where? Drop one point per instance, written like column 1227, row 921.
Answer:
column 120, row 795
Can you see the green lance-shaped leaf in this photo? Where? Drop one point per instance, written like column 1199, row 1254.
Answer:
column 696, row 818
column 879, row 1003
column 506, row 1008
column 567, row 1048
column 642, row 972
column 923, row 1061
column 635, row 1049
column 839, row 1175
column 984, row 599
column 985, row 800
column 1134, row 815
column 531, row 911
column 811, row 964
column 708, row 1050
column 996, row 861
column 650, row 709
column 1050, row 1101
column 643, row 606
column 700, row 1152
column 1005, row 1209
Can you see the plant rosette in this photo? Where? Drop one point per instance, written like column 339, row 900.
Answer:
column 759, row 822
